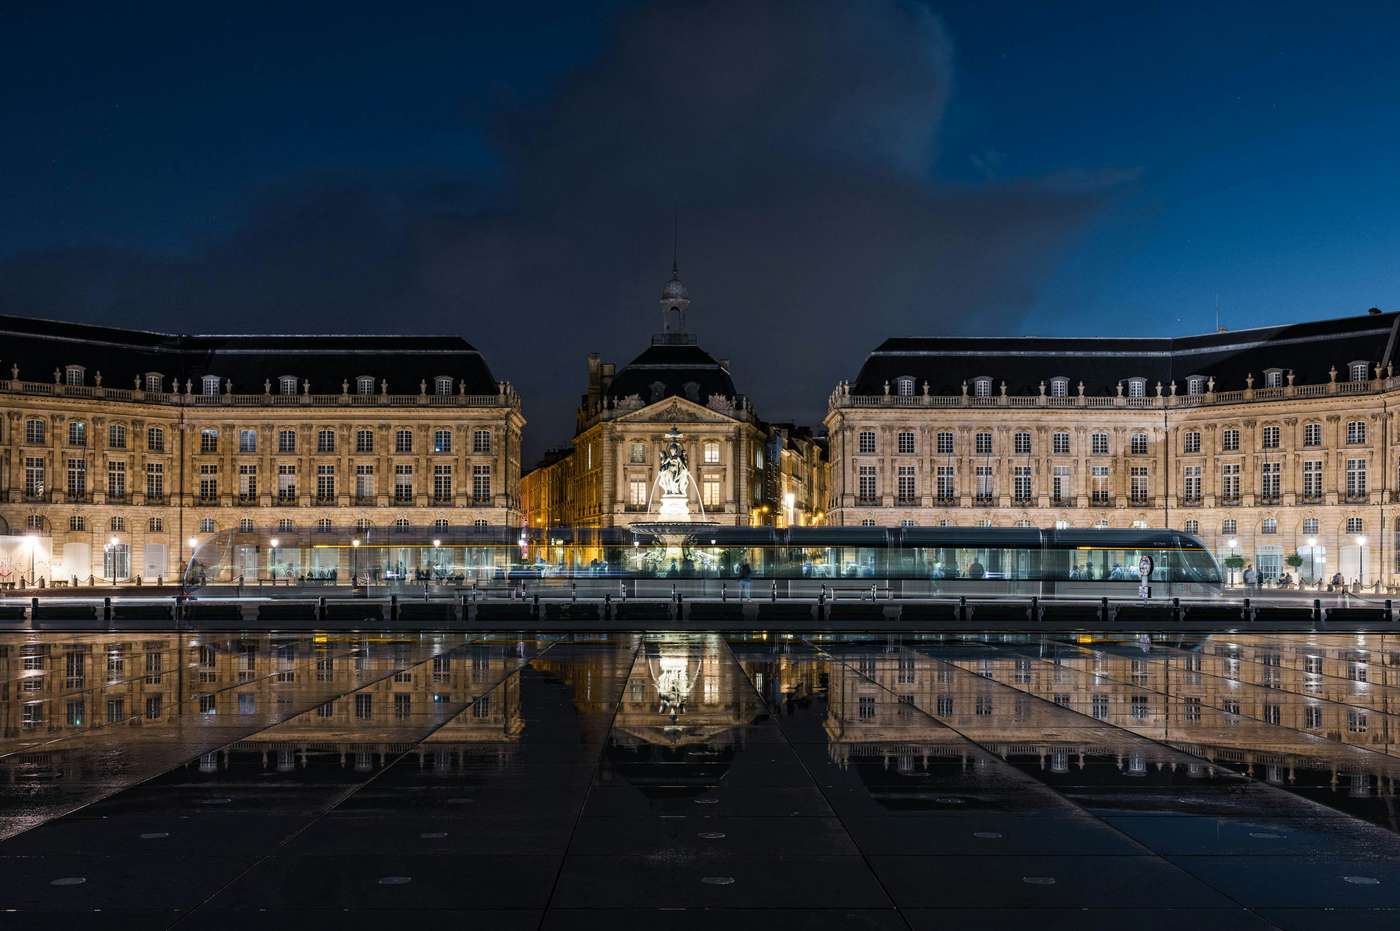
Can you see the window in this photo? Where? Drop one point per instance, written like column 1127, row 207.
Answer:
column 1060, row 443
column 1269, row 525
column 1059, row 387
column 710, row 452
column 155, row 480
column 73, row 375
column 325, row 441
column 1230, row 481
column 1358, row 371
column 245, row 525
column 865, row 483
column 947, row 485
column 1270, row 477
column 34, row 432
column 1310, row 525
column 1230, row 439
column 637, row 453
column 285, row 525
column 1271, row 437
column 155, row 383
column 1193, row 527
column 1312, row 478
column 983, row 444
column 34, row 484
column 1312, row 434
column 1196, row 384
column 1312, row 717
column 1273, row 378
column 247, row 441
column 364, row 441
column 1098, row 444
column 403, row 441
column 905, row 484
column 637, row 493
column 481, row 441
column 866, row 441
column 985, row 483
column 77, row 522
column 1356, row 431
column 364, row 482
column 209, row 385
column 904, row 386
column 208, row 482
column 77, row 478
column 325, row 483
column 1138, row 488
column 1098, row 476
column 1191, row 484
column 1356, row 478
column 323, row 525
column 982, row 387
column 1021, row 483
column 364, row 384
column 1137, row 387
column 442, row 385
column 209, row 441
column 481, row 483
column 1228, row 527
column 710, row 492
column 116, row 436
column 403, row 483
column 1355, row 525
column 362, row 524
column 286, row 483
column 207, row 525
column 155, row 440
column 286, row 441
column 1021, row 442
column 906, row 442
column 1137, row 444
column 77, row 433
column 442, row 482
column 1191, row 442
column 1060, row 484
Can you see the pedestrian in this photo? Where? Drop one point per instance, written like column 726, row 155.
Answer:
column 745, row 580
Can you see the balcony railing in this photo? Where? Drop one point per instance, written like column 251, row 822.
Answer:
column 1099, row 500
column 1268, row 500
column 248, row 498
column 1060, row 501
column 1228, row 501
column 946, row 501
column 866, row 501
column 505, row 396
column 440, row 500
column 984, row 501
column 324, row 501
column 285, row 499
column 907, row 502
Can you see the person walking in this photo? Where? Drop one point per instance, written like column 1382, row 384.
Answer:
column 745, row 580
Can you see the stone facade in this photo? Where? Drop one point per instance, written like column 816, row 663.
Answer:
column 1264, row 443
column 120, row 480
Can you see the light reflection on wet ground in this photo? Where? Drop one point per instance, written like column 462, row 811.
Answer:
column 700, row 779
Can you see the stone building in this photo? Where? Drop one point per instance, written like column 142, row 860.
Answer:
column 120, row 447
column 795, row 477
column 607, row 476
column 1267, row 443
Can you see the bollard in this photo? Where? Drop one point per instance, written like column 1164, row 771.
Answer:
column 1317, row 610
column 622, row 589
column 774, row 596
column 962, row 607
column 1035, row 608
column 1103, row 609
column 1176, row 609
column 107, row 608
column 393, row 607
column 33, row 608
column 1389, row 616
column 573, row 593
column 1246, row 614
column 321, row 608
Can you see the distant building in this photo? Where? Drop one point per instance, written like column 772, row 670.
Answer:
column 121, row 446
column 796, row 477
column 1267, row 443
column 607, row 477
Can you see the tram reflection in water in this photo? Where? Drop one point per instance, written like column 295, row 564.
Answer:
column 704, row 561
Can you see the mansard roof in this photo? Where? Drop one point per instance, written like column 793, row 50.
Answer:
column 1309, row 350
column 673, row 367
column 40, row 346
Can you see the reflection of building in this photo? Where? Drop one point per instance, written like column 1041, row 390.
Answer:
column 608, row 476
column 140, row 441
column 1265, row 442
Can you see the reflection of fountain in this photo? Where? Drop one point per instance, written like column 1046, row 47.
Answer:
column 673, row 679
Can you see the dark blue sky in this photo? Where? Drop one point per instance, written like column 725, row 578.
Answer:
column 844, row 172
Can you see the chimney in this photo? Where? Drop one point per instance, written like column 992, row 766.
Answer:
column 607, row 371
column 595, row 387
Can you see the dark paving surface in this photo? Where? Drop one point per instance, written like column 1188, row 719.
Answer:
column 700, row 780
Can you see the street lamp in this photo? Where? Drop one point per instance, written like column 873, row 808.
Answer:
column 1234, row 545
column 1361, row 560
column 1312, row 557
column 354, row 562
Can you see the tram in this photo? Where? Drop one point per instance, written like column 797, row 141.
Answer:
column 708, row 560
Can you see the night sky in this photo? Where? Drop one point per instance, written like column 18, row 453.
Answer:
column 842, row 172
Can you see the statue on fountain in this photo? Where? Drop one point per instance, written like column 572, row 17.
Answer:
column 673, row 477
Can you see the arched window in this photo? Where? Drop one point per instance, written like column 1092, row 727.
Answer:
column 1310, row 526
column 364, row 384
column 904, row 386
column 442, row 385
column 1139, row 444
column 982, row 387
column 209, row 385
column 1059, row 387
column 1192, row 527
column 1228, row 527
column 287, row 384
column 35, row 431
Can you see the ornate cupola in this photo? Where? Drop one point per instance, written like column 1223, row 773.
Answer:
column 674, row 302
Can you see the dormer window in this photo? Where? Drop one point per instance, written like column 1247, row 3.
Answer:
column 692, row 391
column 904, row 386
column 1196, row 384
column 209, row 385
column 1359, row 371
column 287, row 384
column 982, row 387
column 155, row 383
column 658, row 391
column 364, row 384
column 1137, row 387
column 1273, row 378
column 73, row 375
column 442, row 385
column 1059, row 387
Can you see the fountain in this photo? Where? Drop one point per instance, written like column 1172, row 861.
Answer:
column 675, row 520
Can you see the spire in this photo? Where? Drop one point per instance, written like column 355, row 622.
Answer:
column 676, row 245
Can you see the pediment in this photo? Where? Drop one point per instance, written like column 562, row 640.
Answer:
column 674, row 410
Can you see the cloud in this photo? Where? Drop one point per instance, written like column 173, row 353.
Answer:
column 797, row 140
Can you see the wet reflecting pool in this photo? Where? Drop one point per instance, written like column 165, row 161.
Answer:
column 743, row 780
